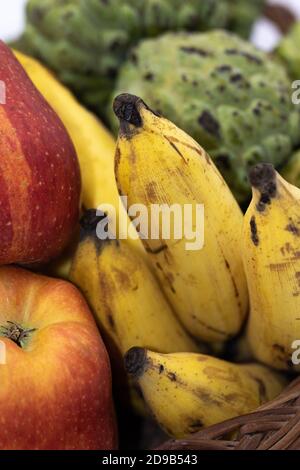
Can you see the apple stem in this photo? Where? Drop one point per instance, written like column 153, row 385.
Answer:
column 16, row 333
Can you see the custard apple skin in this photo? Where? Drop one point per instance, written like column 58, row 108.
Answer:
column 289, row 51
column 291, row 170
column 230, row 97
column 86, row 41
column 242, row 14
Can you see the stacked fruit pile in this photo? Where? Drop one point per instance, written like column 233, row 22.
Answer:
column 179, row 315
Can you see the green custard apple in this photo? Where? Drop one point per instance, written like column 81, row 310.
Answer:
column 86, row 41
column 289, row 51
column 232, row 98
column 242, row 14
column 291, row 171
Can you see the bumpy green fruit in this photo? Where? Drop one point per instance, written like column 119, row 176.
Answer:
column 233, row 99
column 291, row 171
column 289, row 51
column 242, row 14
column 85, row 41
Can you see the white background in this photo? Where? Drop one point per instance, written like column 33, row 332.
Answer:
column 12, row 22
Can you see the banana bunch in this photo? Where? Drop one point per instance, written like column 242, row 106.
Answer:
column 158, row 164
column 187, row 391
column 271, row 254
column 95, row 148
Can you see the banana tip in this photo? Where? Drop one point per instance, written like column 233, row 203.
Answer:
column 126, row 108
column 263, row 178
column 262, row 175
column 135, row 361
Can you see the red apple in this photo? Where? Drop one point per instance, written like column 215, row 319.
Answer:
column 39, row 171
column 55, row 379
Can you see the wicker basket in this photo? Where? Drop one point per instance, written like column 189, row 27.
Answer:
column 274, row 426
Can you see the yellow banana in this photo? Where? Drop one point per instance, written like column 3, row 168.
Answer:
column 95, row 149
column 157, row 163
column 124, row 295
column 187, row 391
column 271, row 253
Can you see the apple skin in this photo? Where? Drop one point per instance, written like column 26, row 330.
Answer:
column 39, row 172
column 55, row 391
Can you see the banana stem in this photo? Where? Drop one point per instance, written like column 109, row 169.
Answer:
column 135, row 361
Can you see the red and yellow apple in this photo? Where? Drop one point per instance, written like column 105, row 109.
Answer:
column 39, row 171
column 55, row 379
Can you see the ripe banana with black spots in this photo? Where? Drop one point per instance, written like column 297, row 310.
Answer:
column 187, row 391
column 157, row 163
column 271, row 254
column 124, row 295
